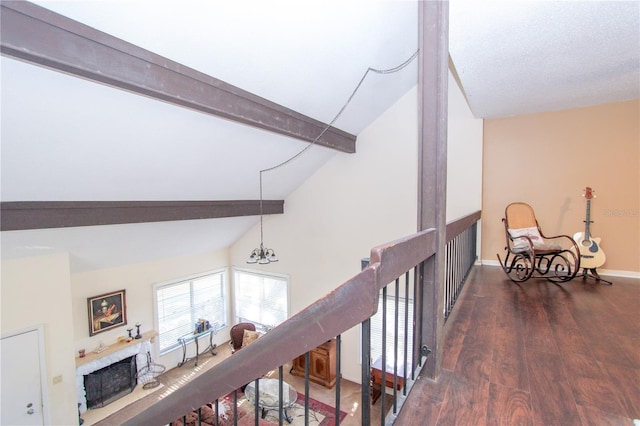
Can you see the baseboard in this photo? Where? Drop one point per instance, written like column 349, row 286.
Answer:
column 607, row 272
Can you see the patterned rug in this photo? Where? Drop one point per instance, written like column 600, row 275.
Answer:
column 319, row 413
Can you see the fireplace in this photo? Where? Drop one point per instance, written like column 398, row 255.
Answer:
column 94, row 361
column 111, row 382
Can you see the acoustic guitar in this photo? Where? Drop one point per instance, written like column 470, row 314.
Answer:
column 591, row 254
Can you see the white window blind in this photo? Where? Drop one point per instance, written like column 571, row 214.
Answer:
column 376, row 331
column 180, row 304
column 259, row 298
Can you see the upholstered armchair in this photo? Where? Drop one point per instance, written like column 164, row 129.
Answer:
column 237, row 335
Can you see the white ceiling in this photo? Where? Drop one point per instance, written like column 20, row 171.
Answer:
column 521, row 57
column 67, row 139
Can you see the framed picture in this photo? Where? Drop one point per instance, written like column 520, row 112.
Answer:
column 107, row 311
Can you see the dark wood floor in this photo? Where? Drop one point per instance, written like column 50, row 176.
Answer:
column 536, row 353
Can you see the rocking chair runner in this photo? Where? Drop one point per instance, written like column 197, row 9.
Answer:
column 529, row 251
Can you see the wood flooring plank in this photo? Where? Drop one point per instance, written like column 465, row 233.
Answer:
column 571, row 340
column 551, row 395
column 509, row 351
column 456, row 331
column 592, row 417
column 625, row 297
column 427, row 398
column 619, row 350
column 538, row 333
column 465, row 402
column 559, row 314
column 475, row 357
column 626, row 383
column 591, row 384
column 508, row 407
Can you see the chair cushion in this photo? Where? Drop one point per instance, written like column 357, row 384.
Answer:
column 249, row 337
column 534, row 234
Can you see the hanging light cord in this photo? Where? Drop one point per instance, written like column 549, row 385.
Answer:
column 328, row 126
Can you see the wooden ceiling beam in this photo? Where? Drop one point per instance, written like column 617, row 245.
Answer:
column 37, row 35
column 23, row 215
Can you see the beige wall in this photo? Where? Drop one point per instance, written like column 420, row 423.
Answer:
column 36, row 291
column 138, row 280
column 548, row 159
column 41, row 290
column 344, row 209
column 358, row 201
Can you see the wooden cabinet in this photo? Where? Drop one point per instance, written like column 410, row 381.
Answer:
column 322, row 364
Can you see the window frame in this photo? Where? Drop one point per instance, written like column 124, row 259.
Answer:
column 222, row 273
column 258, row 273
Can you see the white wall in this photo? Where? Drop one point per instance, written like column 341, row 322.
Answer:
column 358, row 201
column 464, row 156
column 35, row 291
column 355, row 202
column 138, row 280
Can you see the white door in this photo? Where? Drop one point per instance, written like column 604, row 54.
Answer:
column 21, row 397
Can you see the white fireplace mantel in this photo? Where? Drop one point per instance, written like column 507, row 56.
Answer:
column 113, row 353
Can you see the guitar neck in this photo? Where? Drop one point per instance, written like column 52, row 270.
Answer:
column 587, row 222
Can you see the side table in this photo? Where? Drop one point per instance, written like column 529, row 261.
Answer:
column 189, row 337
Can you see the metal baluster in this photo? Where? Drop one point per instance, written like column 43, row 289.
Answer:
column 256, row 404
column 383, row 368
column 338, row 376
column 366, row 372
column 395, row 346
column 406, row 331
column 306, row 387
column 280, row 395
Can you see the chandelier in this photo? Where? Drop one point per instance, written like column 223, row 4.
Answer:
column 262, row 255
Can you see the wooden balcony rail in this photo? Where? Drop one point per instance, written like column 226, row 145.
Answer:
column 349, row 305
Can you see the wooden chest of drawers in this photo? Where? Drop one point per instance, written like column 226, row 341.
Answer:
column 322, row 364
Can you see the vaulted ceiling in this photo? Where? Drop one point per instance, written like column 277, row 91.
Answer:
column 66, row 138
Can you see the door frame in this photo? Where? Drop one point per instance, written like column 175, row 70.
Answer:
column 44, row 390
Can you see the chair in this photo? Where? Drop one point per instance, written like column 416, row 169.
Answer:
column 237, row 334
column 530, row 253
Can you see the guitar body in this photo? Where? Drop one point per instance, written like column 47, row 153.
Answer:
column 591, row 254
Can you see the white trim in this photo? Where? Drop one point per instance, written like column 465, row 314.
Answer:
column 261, row 273
column 608, row 272
column 44, row 389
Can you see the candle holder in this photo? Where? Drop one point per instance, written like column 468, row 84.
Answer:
column 138, row 335
column 129, row 330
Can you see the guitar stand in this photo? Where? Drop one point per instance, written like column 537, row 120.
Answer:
column 592, row 273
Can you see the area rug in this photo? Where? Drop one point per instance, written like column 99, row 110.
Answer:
column 320, row 414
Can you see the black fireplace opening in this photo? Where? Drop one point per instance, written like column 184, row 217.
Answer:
column 110, row 383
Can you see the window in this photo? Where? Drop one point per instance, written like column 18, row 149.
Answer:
column 376, row 331
column 180, row 304
column 262, row 299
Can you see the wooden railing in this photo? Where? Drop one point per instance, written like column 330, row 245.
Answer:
column 352, row 303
